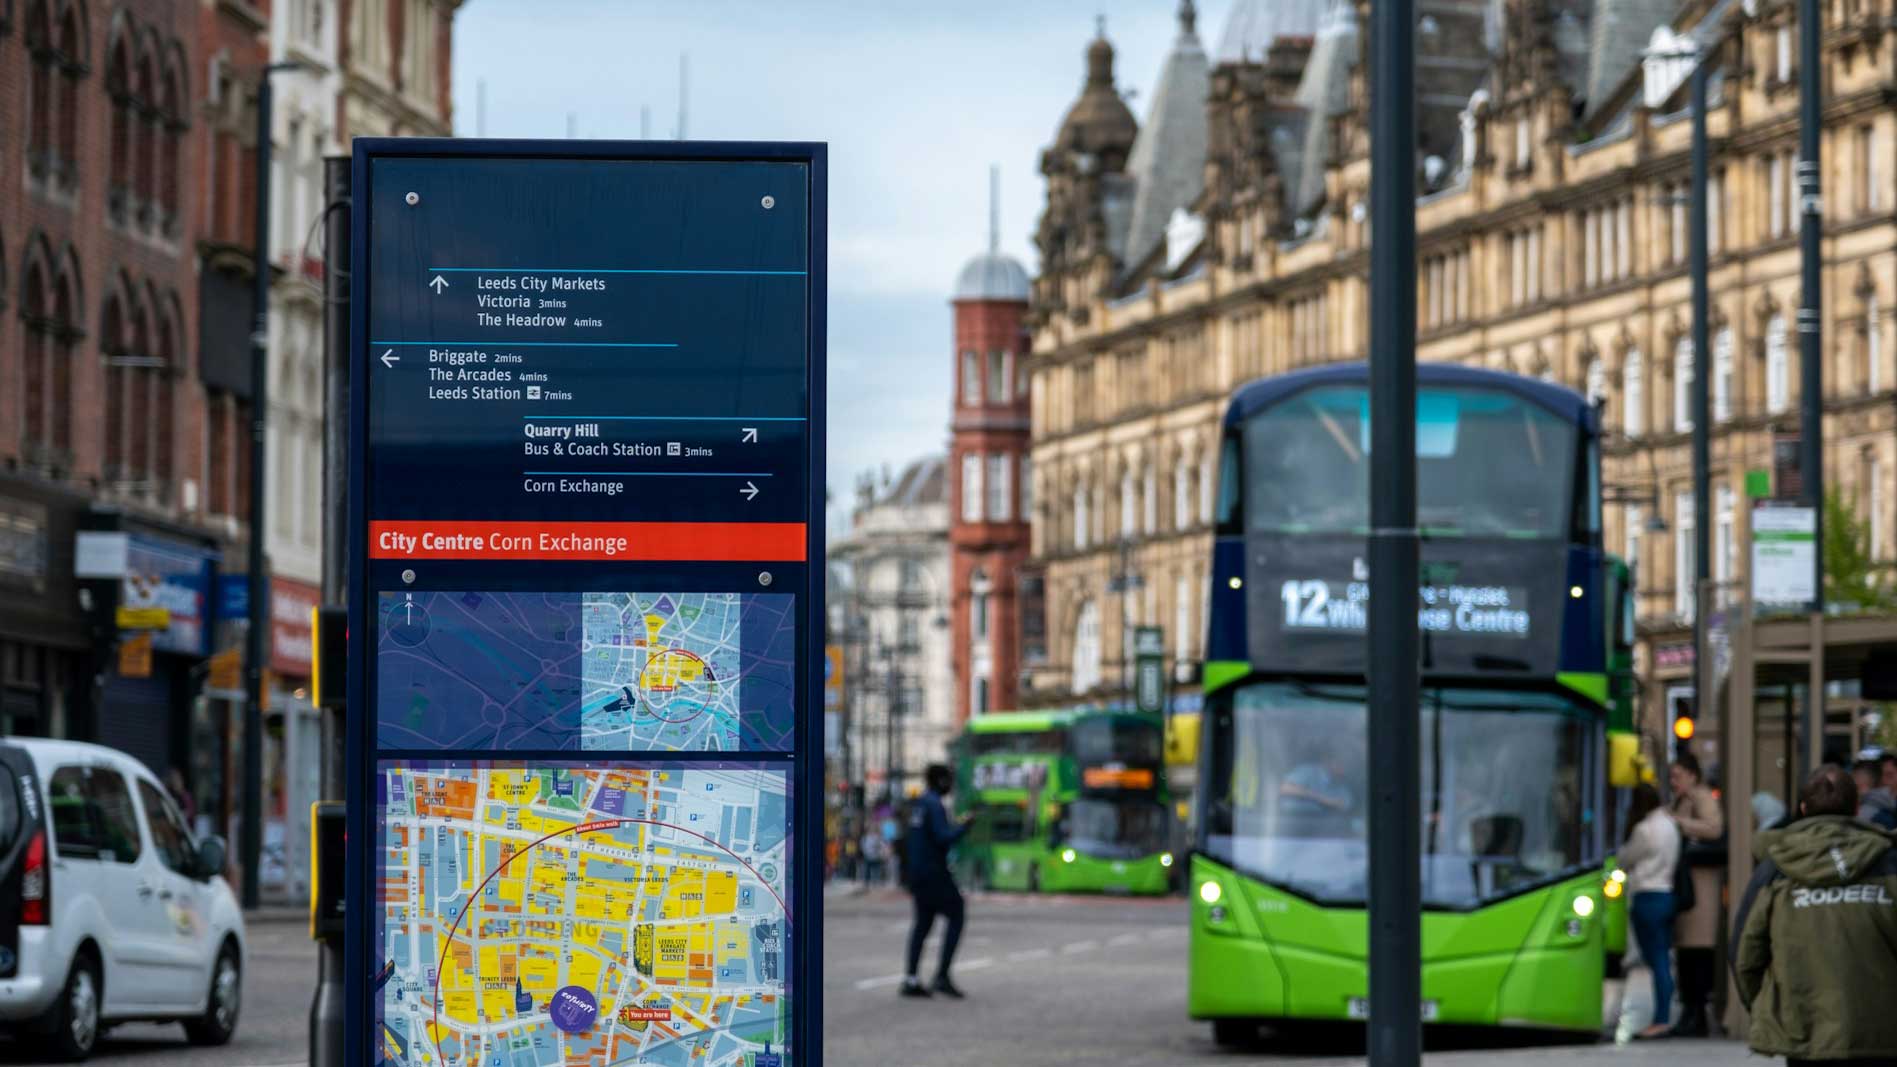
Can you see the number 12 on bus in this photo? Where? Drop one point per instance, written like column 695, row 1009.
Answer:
column 1523, row 622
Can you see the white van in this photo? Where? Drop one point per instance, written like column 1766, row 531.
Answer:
column 111, row 910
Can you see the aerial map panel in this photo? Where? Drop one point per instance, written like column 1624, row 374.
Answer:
column 533, row 914
column 603, row 671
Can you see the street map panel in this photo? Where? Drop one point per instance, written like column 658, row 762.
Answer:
column 602, row 671
column 531, row 915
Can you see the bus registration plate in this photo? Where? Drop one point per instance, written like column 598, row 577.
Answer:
column 1359, row 1008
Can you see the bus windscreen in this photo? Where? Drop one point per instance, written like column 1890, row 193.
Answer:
column 1489, row 463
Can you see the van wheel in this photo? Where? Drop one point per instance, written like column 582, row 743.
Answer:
column 219, row 1020
column 72, row 1023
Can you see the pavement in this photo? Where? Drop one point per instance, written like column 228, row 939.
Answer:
column 1089, row 980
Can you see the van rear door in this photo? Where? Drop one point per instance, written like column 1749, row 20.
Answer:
column 20, row 819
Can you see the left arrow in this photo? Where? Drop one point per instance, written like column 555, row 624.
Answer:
column 439, row 284
column 390, row 359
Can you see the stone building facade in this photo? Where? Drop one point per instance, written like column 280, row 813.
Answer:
column 396, row 64
column 1552, row 243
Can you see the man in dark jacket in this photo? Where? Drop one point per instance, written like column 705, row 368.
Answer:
column 930, row 837
column 1817, row 934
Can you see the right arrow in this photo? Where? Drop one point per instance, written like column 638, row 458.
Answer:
column 439, row 283
column 749, row 491
column 750, row 435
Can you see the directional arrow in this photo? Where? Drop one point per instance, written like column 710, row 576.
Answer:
column 750, row 435
column 749, row 491
column 390, row 359
column 439, row 284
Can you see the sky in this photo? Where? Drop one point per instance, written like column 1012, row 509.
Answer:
column 915, row 100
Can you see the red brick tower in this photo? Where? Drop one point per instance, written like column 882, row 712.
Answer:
column 989, row 475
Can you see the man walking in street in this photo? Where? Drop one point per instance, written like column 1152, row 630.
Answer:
column 1817, row 934
column 1876, row 777
column 930, row 837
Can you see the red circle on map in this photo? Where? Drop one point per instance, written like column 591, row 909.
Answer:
column 651, row 706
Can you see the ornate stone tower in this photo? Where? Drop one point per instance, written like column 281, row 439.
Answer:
column 990, row 494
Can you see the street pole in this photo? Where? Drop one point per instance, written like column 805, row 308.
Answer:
column 1698, row 253
column 327, row 1003
column 336, row 249
column 1812, row 444
column 1395, row 1024
column 254, row 640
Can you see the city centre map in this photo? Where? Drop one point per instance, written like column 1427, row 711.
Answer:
column 613, row 913
column 602, row 671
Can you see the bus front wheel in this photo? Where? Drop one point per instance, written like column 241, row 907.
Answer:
column 1234, row 1033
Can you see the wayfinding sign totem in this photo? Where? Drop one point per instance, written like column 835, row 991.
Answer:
column 585, row 748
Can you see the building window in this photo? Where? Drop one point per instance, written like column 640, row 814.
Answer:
column 1633, row 394
column 971, row 379
column 1623, row 240
column 1027, row 490
column 1182, row 614
column 1182, row 493
column 1877, row 501
column 1596, row 381
column 1782, row 38
column 1676, row 196
column 1777, row 384
column 1715, row 211
column 1683, row 384
column 52, row 331
column 1149, row 501
column 1777, row 183
column 1866, row 170
column 1087, row 647
column 971, row 487
column 1207, row 480
column 1000, row 376
column 1000, row 486
column 1082, row 520
column 1591, row 249
column 1636, row 527
column 979, row 593
column 1127, row 504
column 1524, row 143
column 1725, row 547
column 1873, row 345
column 1722, row 375
column 1534, row 264
column 1683, row 602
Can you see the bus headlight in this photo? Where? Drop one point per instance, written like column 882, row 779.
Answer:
column 1165, row 859
column 1210, row 892
column 1584, row 905
column 1614, row 888
column 1067, row 855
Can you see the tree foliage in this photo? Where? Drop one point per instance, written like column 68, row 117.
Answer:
column 1853, row 576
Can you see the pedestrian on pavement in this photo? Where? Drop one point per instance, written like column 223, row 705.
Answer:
column 1650, row 856
column 1876, row 803
column 931, row 883
column 1696, row 931
column 1816, row 934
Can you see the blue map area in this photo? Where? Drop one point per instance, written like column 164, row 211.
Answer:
column 499, row 671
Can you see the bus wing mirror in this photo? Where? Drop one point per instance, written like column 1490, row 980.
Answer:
column 1624, row 761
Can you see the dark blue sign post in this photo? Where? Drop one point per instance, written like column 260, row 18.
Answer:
column 586, row 498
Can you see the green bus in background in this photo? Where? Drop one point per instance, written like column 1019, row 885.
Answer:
column 1525, row 644
column 1065, row 802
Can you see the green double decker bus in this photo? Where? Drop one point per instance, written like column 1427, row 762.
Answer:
column 1522, row 618
column 1065, row 802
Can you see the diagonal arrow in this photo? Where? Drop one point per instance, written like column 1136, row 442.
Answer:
column 749, row 491
column 750, row 435
column 439, row 284
column 390, row 359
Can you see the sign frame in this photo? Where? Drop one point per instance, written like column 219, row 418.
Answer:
column 804, row 764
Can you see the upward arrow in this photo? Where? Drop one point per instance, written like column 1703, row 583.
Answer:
column 439, row 284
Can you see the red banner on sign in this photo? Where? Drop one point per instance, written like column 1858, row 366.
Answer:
column 721, row 542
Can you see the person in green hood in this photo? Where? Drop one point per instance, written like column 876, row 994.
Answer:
column 1816, row 931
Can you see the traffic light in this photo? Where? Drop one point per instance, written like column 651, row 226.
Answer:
column 1682, row 709
column 329, row 666
column 326, row 870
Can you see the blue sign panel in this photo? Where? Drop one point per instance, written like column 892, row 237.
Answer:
column 174, row 576
column 585, row 770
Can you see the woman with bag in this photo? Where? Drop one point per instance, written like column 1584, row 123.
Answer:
column 1650, row 858
column 1696, row 812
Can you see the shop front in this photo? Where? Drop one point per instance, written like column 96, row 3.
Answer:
column 43, row 629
